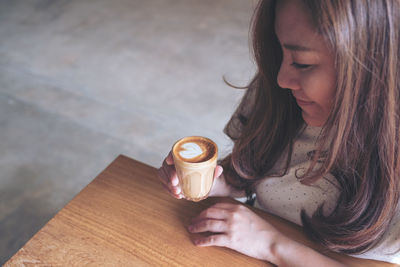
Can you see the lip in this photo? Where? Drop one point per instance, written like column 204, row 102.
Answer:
column 303, row 103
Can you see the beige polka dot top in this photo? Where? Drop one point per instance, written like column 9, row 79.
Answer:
column 285, row 196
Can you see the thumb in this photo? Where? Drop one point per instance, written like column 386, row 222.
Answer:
column 218, row 171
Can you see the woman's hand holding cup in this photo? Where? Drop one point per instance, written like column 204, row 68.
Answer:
column 169, row 179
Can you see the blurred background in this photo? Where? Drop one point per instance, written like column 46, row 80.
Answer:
column 82, row 81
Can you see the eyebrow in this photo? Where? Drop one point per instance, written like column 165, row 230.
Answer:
column 297, row 48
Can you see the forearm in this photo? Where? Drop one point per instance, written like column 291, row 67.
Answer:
column 287, row 252
column 222, row 189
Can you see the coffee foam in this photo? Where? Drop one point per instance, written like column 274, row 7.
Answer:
column 190, row 150
column 195, row 149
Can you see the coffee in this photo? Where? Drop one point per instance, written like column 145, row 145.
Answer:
column 195, row 159
column 195, row 149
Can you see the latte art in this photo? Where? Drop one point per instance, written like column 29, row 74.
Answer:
column 195, row 149
column 190, row 150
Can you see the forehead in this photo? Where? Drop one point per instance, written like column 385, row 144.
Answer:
column 293, row 25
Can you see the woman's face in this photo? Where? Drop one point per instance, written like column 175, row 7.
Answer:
column 307, row 67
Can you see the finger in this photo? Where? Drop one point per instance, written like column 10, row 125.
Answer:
column 228, row 206
column 168, row 175
column 208, row 225
column 220, row 240
column 218, row 171
column 212, row 213
column 175, row 194
column 164, row 174
column 169, row 165
column 168, row 162
column 173, row 189
column 169, row 159
column 174, row 180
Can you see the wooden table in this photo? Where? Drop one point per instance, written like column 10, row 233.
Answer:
column 125, row 218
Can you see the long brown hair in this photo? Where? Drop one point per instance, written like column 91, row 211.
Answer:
column 361, row 133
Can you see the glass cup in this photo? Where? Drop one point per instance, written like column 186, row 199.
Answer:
column 195, row 159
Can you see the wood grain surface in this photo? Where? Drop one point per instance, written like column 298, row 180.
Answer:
column 124, row 217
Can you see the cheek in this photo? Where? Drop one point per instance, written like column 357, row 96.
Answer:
column 319, row 86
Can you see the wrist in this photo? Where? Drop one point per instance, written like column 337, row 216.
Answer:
column 287, row 252
column 277, row 249
column 272, row 254
column 219, row 188
column 222, row 189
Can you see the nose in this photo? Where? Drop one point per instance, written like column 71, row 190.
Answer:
column 288, row 76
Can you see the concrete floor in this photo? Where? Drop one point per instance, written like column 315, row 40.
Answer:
column 82, row 81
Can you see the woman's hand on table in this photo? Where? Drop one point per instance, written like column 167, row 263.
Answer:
column 237, row 227
column 169, row 179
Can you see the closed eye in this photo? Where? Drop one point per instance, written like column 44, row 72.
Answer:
column 300, row 66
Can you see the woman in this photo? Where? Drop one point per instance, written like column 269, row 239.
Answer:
column 316, row 136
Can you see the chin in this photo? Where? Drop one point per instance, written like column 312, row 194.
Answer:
column 312, row 121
